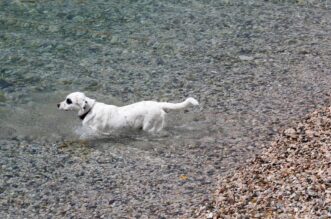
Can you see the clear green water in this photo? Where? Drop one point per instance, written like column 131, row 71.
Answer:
column 51, row 48
column 126, row 51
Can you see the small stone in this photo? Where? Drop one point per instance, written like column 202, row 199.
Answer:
column 53, row 28
column 309, row 134
column 290, row 132
column 2, row 97
column 114, row 40
column 246, row 58
column 159, row 61
column 78, row 19
column 42, row 28
column 4, row 84
column 210, row 215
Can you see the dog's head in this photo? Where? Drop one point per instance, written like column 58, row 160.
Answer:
column 76, row 101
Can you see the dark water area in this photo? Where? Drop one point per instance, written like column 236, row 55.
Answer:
column 254, row 66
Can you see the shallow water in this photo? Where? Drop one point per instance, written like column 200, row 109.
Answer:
column 254, row 66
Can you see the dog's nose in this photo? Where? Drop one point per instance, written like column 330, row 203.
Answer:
column 58, row 105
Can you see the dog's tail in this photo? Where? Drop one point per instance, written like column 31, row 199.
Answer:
column 182, row 105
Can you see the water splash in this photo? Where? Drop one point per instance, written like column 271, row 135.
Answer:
column 38, row 118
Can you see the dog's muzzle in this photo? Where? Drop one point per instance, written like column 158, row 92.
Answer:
column 58, row 105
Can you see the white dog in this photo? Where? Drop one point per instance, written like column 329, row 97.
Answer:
column 105, row 119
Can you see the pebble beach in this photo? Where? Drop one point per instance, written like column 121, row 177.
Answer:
column 256, row 67
column 291, row 178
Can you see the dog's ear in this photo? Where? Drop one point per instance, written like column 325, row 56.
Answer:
column 85, row 104
column 81, row 103
column 88, row 103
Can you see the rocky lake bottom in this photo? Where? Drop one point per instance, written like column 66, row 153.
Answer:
column 254, row 66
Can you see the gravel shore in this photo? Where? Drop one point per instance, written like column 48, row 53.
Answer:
column 253, row 65
column 291, row 178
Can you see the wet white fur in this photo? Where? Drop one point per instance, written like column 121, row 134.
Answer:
column 105, row 119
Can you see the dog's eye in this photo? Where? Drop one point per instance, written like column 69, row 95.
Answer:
column 69, row 101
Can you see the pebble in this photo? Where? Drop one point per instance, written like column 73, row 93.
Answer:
column 210, row 215
column 4, row 84
column 246, row 58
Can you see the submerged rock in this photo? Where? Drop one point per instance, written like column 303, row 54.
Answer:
column 4, row 84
